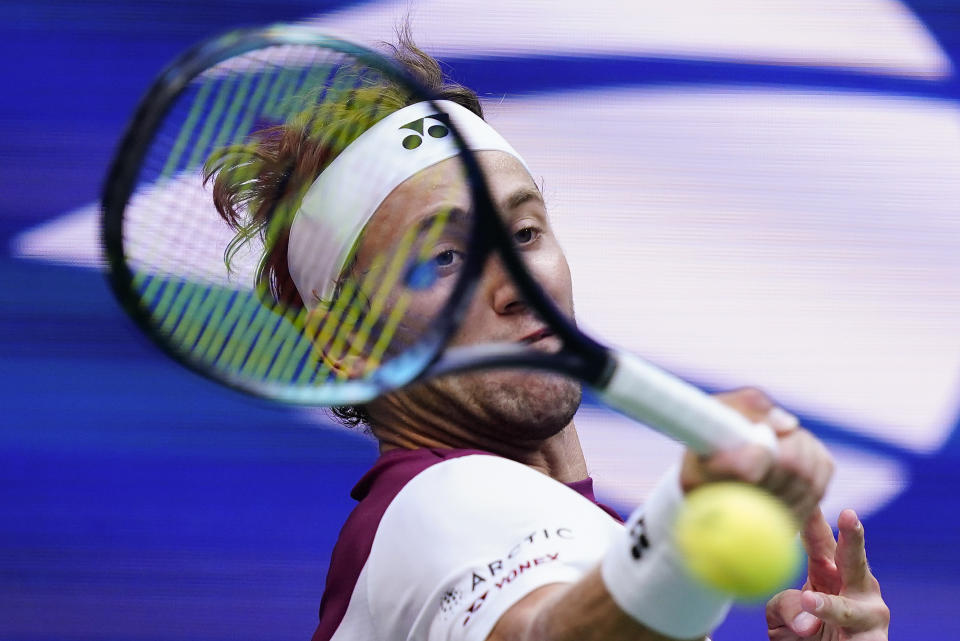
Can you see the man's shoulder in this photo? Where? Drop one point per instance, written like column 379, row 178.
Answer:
column 376, row 492
column 395, row 468
column 427, row 483
column 488, row 481
column 429, row 487
column 427, row 513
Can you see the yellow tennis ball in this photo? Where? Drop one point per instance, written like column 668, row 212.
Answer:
column 738, row 539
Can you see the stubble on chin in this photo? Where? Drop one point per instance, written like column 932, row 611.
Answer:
column 517, row 404
column 478, row 409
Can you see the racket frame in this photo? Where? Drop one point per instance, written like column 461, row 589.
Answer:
column 121, row 182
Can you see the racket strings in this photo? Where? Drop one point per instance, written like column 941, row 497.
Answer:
column 241, row 130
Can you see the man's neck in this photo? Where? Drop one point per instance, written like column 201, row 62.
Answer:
column 559, row 456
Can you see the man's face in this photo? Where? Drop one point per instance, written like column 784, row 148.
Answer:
column 504, row 403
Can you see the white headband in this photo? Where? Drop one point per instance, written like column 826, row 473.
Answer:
column 346, row 194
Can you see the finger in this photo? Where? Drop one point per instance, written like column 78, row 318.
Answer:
column 823, row 472
column 825, row 467
column 784, row 610
column 817, row 536
column 781, row 480
column 799, row 458
column 820, row 546
column 816, row 480
column 749, row 463
column 847, row 613
column 816, row 465
column 851, row 557
column 777, row 481
column 782, row 421
column 749, row 401
column 783, row 607
column 800, row 499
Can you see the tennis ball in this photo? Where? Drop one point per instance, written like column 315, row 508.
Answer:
column 739, row 539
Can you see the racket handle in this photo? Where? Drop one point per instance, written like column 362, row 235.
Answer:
column 679, row 410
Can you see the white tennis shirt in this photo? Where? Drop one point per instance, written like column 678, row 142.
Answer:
column 443, row 542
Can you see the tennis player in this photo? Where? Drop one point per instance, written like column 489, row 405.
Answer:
column 479, row 520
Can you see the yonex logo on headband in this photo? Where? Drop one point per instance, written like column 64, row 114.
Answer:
column 439, row 129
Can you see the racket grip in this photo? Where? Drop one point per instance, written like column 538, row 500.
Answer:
column 679, row 410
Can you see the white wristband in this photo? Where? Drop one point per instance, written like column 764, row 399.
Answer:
column 647, row 577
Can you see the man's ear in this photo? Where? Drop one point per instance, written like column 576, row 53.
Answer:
column 347, row 366
column 334, row 346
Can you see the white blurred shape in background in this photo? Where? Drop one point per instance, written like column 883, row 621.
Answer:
column 869, row 35
column 804, row 242
column 800, row 240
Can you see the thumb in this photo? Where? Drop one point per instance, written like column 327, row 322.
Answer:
column 785, row 609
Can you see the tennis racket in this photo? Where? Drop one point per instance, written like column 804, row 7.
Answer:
column 214, row 128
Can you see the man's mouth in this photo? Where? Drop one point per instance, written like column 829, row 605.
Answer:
column 538, row 335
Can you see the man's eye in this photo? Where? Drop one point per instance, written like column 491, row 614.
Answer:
column 526, row 235
column 424, row 273
column 446, row 258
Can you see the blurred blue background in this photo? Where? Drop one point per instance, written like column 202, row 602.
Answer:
column 138, row 501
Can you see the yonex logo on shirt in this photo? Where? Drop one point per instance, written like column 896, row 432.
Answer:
column 640, row 542
column 506, row 579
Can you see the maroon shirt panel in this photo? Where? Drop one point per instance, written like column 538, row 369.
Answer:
column 375, row 491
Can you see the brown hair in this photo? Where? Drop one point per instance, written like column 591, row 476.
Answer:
column 258, row 185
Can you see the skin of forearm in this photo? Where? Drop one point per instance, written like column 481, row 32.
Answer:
column 581, row 611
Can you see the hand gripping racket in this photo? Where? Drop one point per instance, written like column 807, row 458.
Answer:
column 225, row 123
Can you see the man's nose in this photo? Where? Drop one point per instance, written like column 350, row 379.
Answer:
column 500, row 289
